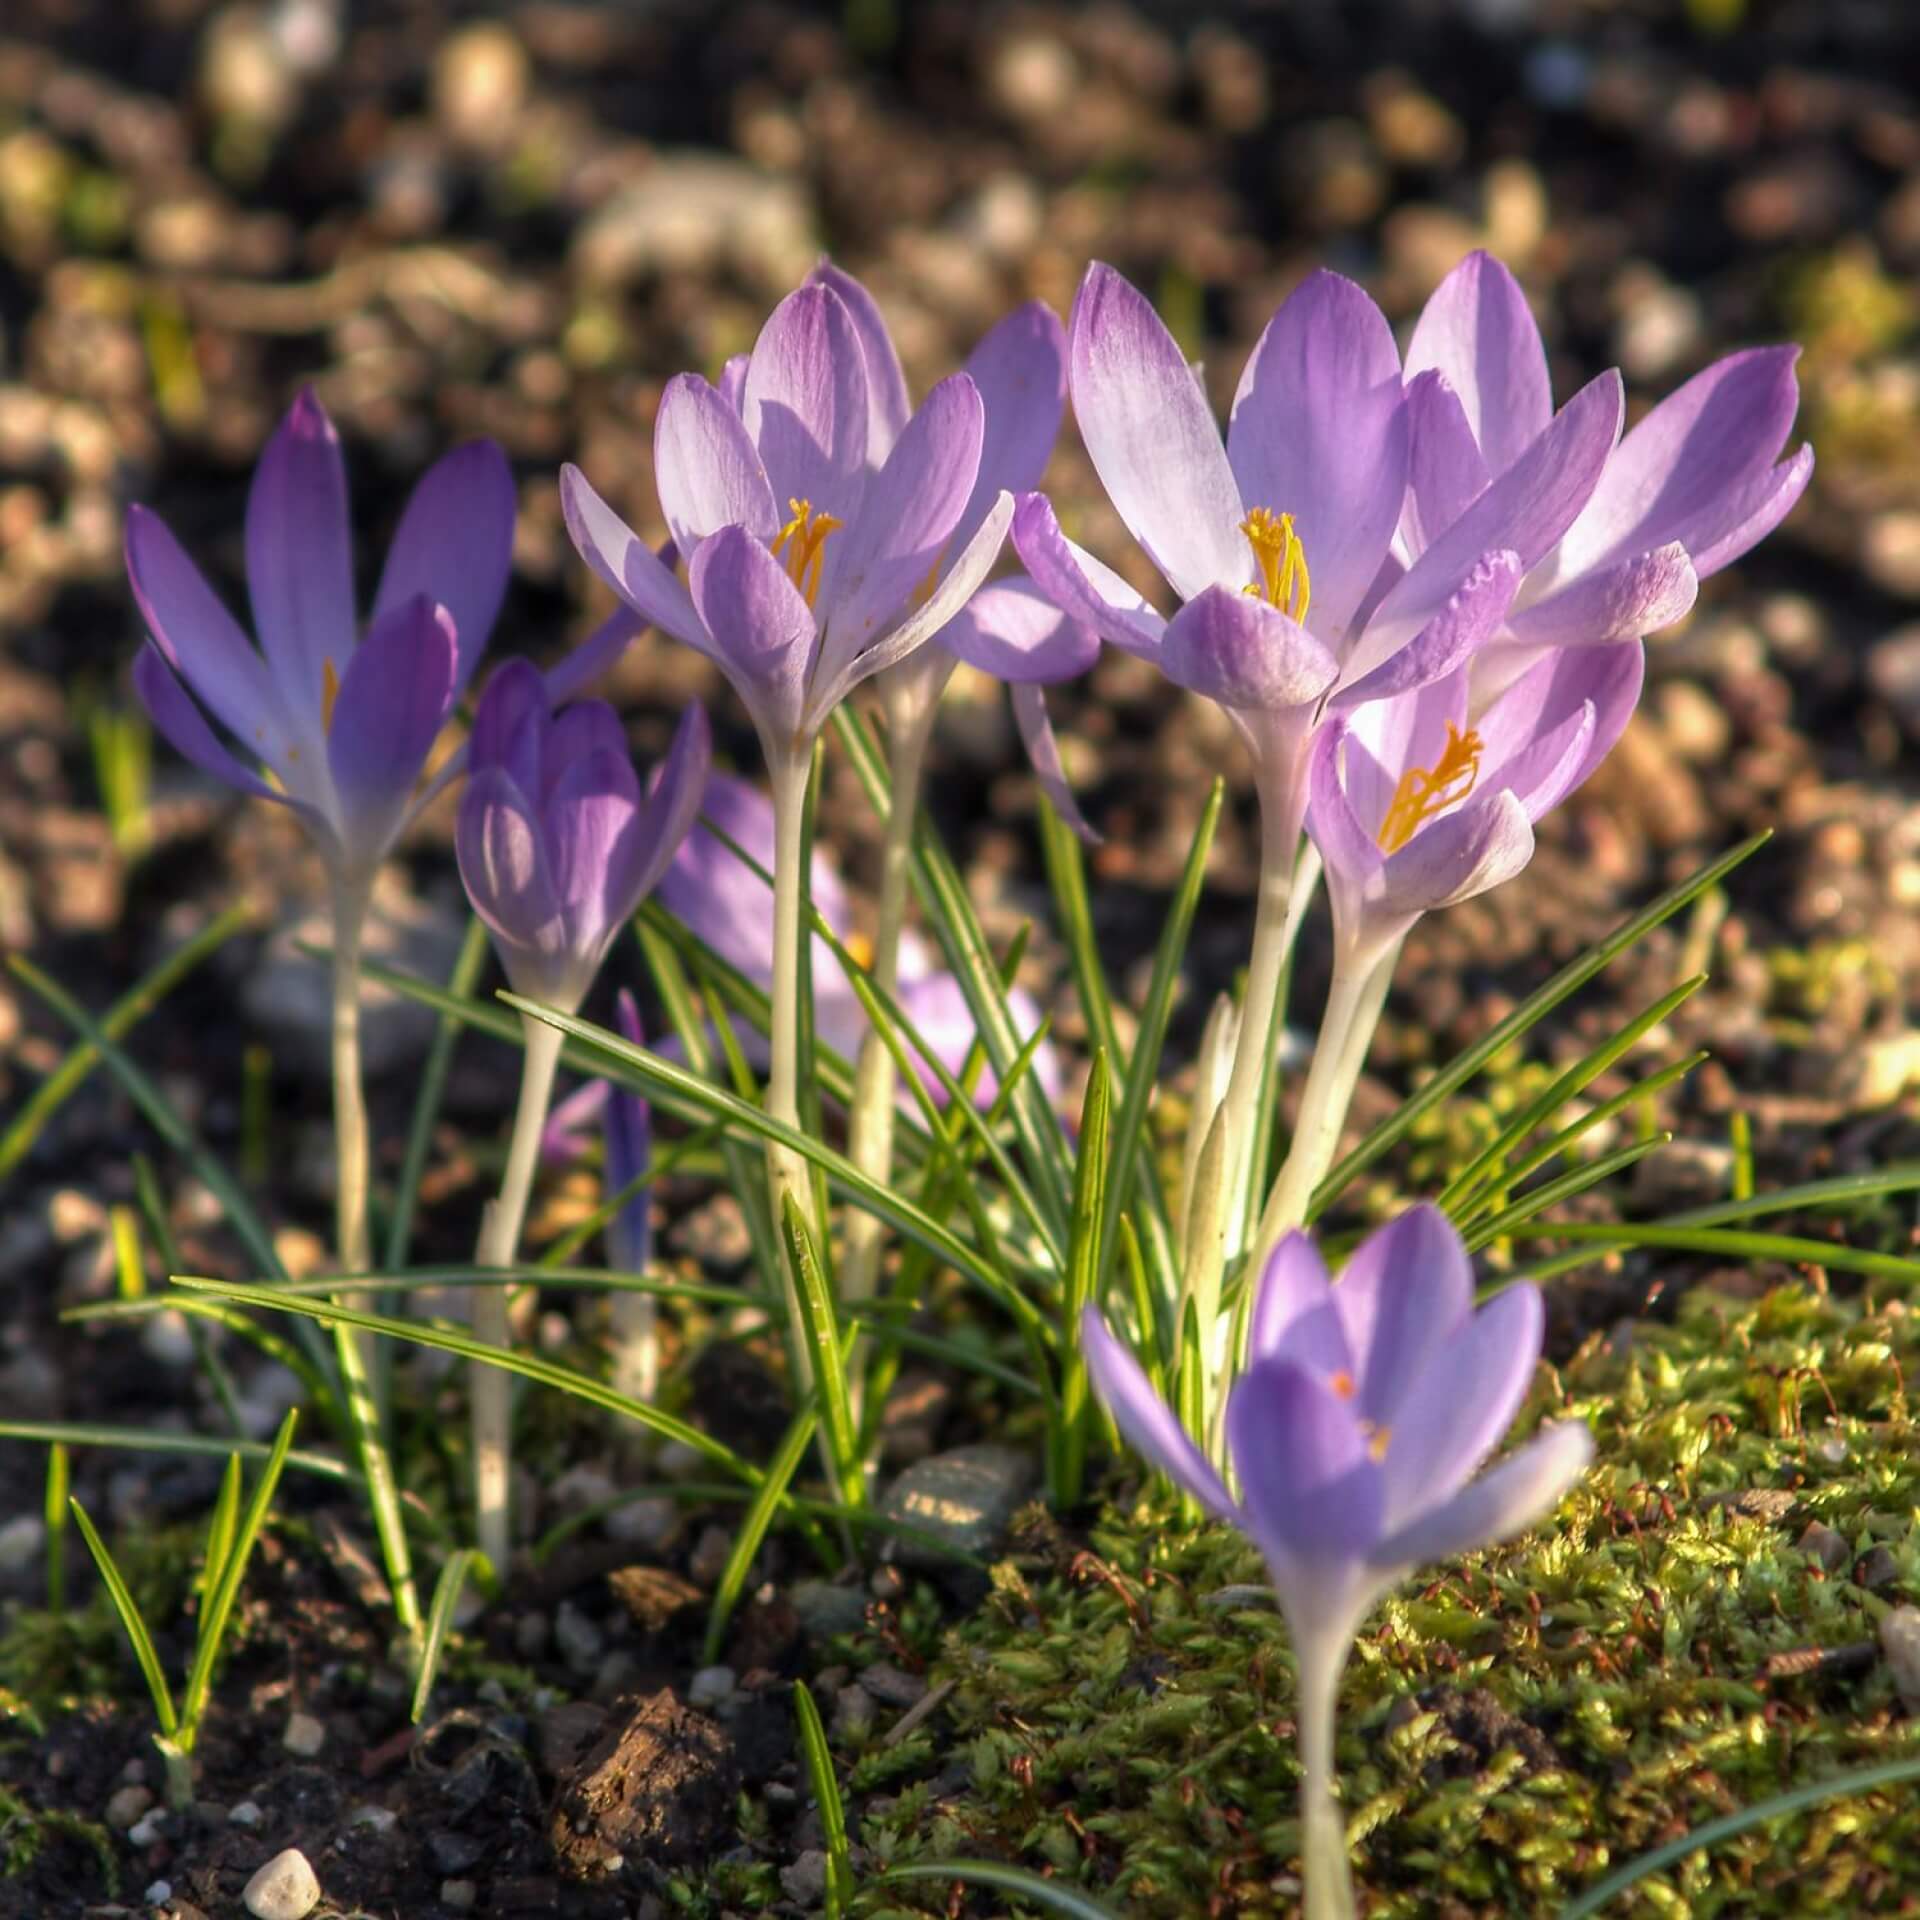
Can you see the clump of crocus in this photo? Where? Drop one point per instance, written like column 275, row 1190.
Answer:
column 558, row 845
column 1415, row 806
column 1697, row 482
column 1369, row 1404
column 1278, row 545
column 323, row 717
column 818, row 525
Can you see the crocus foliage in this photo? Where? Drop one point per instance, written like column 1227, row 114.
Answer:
column 336, row 723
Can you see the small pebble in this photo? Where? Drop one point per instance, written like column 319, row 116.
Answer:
column 1820, row 1542
column 284, row 1889
column 1876, row 1568
column 21, row 1542
column 374, row 1819
column 853, row 1713
column 158, row 1893
column 304, row 1737
column 1900, row 1643
column 708, row 1560
column 580, row 1641
column 246, row 1814
column 805, row 1881
column 459, row 1894
column 147, row 1829
column 888, row 1583
column 710, row 1686
column 892, row 1687
column 126, row 1807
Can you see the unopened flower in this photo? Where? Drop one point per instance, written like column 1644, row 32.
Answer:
column 827, row 535
column 558, row 844
column 1695, row 484
column 339, row 723
column 1415, row 805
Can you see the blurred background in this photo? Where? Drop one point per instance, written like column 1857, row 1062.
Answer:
column 520, row 220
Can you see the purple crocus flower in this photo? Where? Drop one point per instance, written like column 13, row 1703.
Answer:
column 1414, row 808
column 627, row 1134
column 729, row 906
column 826, row 534
column 1368, row 1405
column 557, row 842
column 340, row 723
column 1277, row 544
column 1695, row 484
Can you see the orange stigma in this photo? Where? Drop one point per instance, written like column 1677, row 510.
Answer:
column 804, row 537
column 1282, row 560
column 1424, row 791
column 329, row 693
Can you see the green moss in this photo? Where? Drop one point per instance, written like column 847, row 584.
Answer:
column 1520, row 1722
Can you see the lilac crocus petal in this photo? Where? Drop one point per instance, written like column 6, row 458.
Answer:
column 200, row 639
column 454, row 545
column 1310, row 1485
column 1499, row 1504
column 705, row 467
column 1043, row 755
column 1690, row 471
column 805, row 402
column 1461, row 1400
column 1081, row 585
column 1466, row 622
column 888, row 407
column 1346, row 843
column 1020, row 369
column 504, row 867
column 1319, row 430
column 1526, row 508
column 1405, row 1291
column 300, row 560
column 673, row 799
column 627, row 1130
column 732, row 384
column 1478, row 331
column 1620, row 600
column 395, row 697
column 589, row 811
column 1446, row 471
column 1014, row 632
column 560, row 1142
column 623, row 560
column 1751, row 510
column 508, row 723
column 1245, row 653
column 1152, row 437
column 170, row 707
column 1294, row 1312
column 1461, row 854
column 894, row 548
column 1147, row 1422
column 588, row 728
column 762, row 630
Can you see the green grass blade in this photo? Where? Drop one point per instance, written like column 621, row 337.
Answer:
column 1536, row 1006
column 755, row 1522
column 135, row 1627
column 82, row 1433
column 1067, row 1448
column 426, row 1106
column 1067, row 876
column 58, row 1492
column 1813, row 1794
column 1840, row 1191
column 1485, row 1166
column 115, row 1024
column 218, row 1609
column 222, row 1528
column 1552, row 1192
column 463, row 1564
column 1707, row 1240
column 819, row 1337
column 1053, row 1895
column 826, row 1794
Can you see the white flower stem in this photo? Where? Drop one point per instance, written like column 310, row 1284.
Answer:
column 636, row 1346
column 492, row 1388
column 1323, row 1830
column 870, row 1123
column 1354, row 1002
column 352, row 1161
column 786, row 1170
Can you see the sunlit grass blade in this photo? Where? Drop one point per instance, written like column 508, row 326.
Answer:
column 1134, row 1171
column 1488, row 1198
column 686, row 1093
column 1841, row 1190
column 949, row 911
column 1530, row 1011
column 1067, row 1442
column 426, row 1105
column 1552, row 1192
column 463, row 1564
column 59, row 1490
column 1728, row 1826
column 217, row 1610
column 222, row 1527
column 1604, row 1238
column 131, row 1622
column 82, row 1433
column 17, row 1141
column 826, row 1794
column 754, row 1524
column 1486, row 1166
column 819, row 1335
column 1054, row 1895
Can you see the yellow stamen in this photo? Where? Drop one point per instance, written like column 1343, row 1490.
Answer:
column 1283, row 581
column 805, row 537
column 1342, row 1384
column 1423, row 792
column 1377, row 1442
column 329, row 693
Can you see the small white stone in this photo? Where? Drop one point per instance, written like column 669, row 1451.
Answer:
column 159, row 1893
column 374, row 1819
column 304, row 1737
column 459, row 1895
column 284, row 1889
column 22, row 1540
column 147, row 1829
column 126, row 1806
column 710, row 1686
column 246, row 1814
